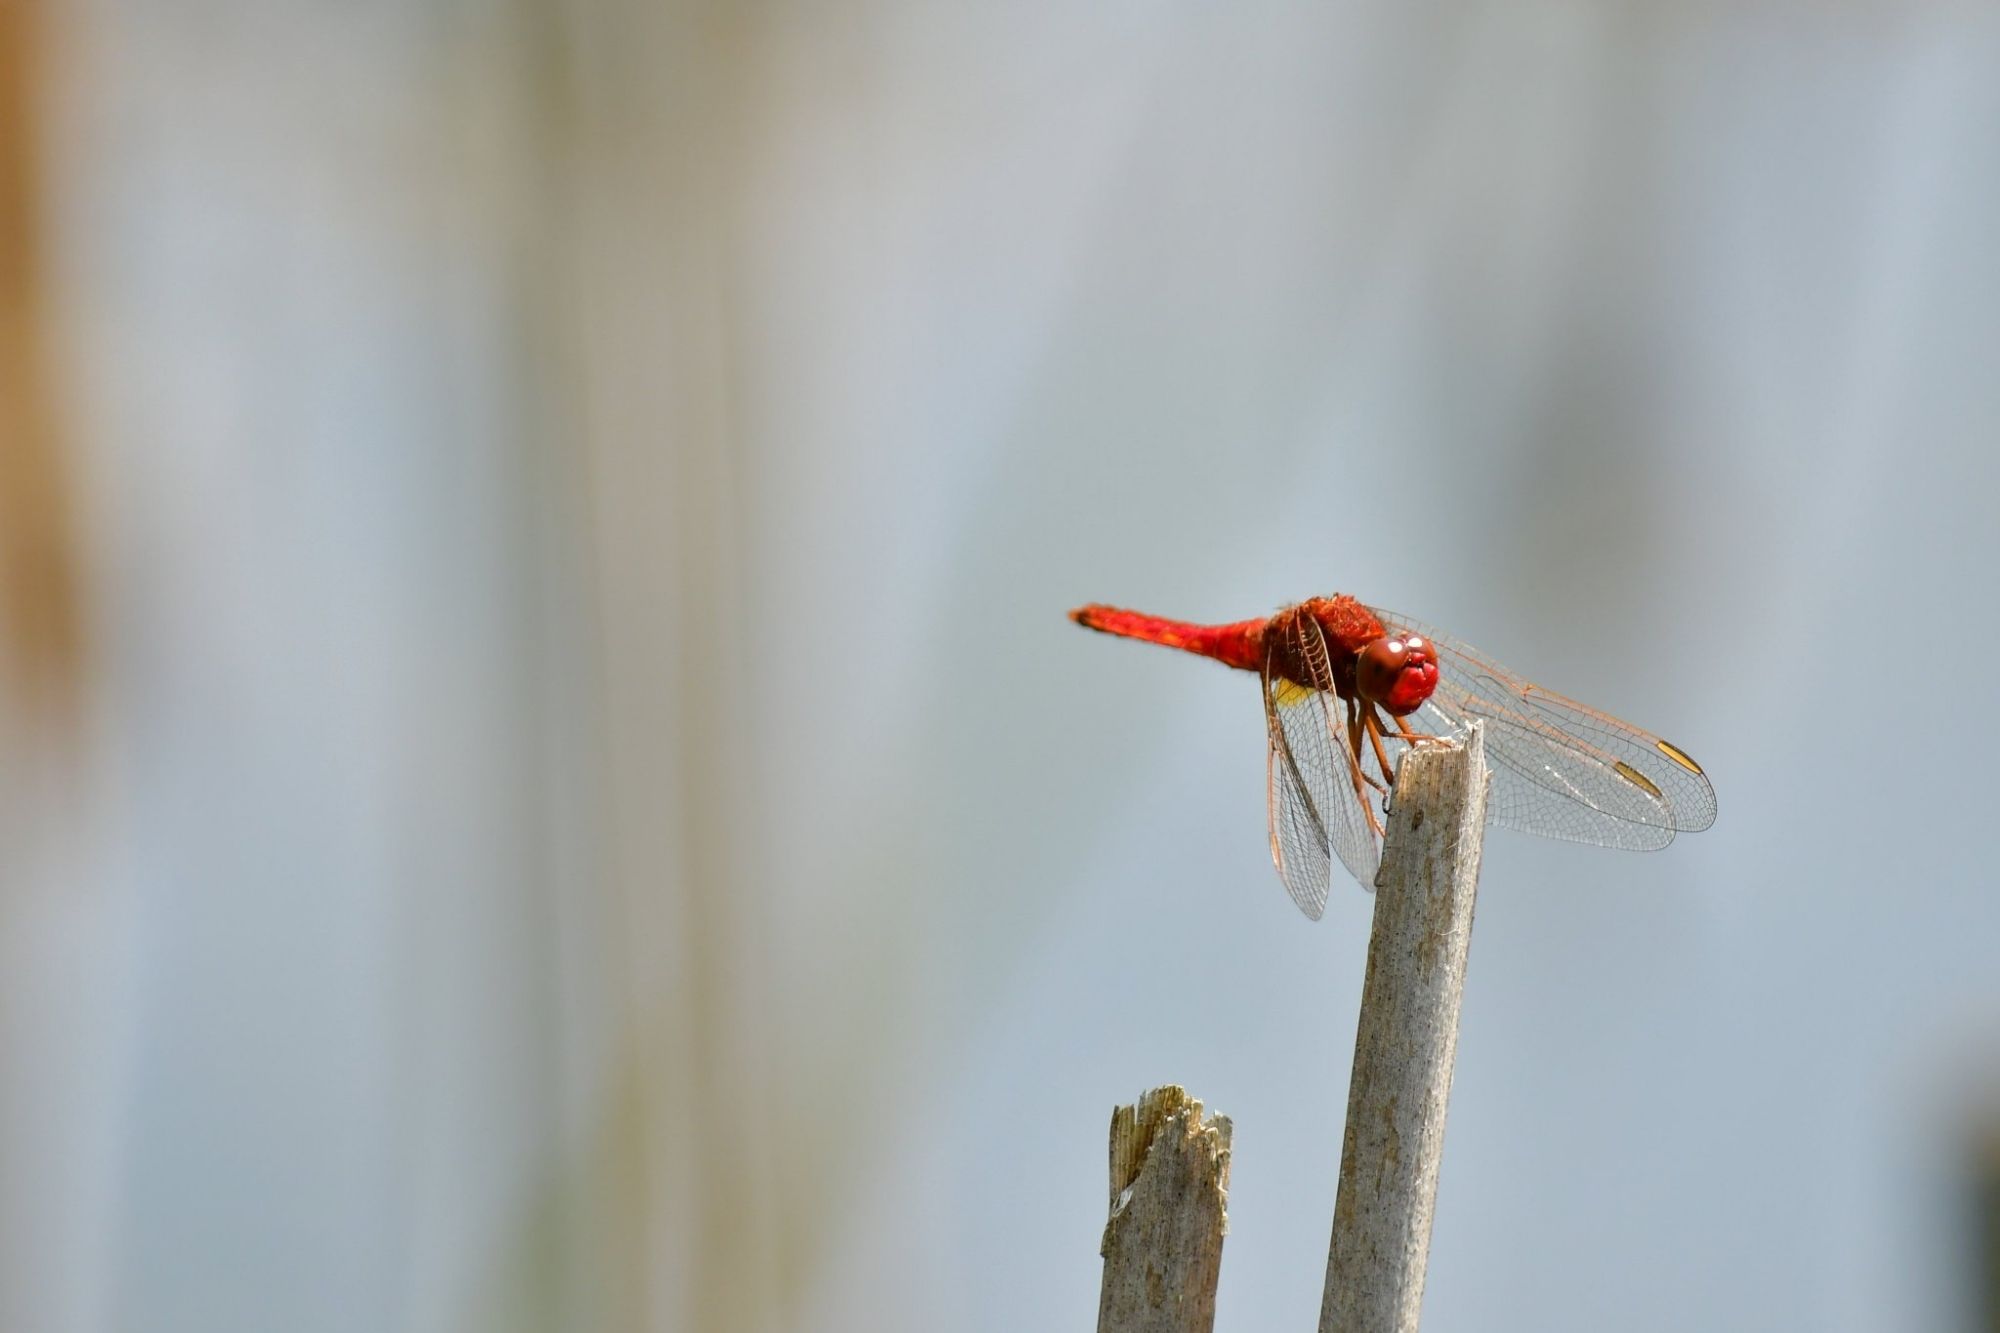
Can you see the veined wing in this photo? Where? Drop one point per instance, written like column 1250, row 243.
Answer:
column 1561, row 769
column 1316, row 814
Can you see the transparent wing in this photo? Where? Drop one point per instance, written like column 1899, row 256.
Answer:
column 1316, row 814
column 1561, row 769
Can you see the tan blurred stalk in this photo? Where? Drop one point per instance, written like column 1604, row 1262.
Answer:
column 39, row 586
column 659, row 108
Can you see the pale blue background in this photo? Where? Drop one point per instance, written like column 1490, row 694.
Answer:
column 593, row 815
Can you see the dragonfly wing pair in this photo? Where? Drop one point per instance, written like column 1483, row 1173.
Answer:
column 1560, row 769
column 1315, row 807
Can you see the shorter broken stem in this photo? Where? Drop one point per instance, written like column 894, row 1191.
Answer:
column 1169, row 1189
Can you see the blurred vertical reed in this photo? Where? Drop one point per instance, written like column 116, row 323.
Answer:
column 40, row 589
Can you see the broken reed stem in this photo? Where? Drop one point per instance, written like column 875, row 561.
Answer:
column 1405, row 1041
column 1163, row 1243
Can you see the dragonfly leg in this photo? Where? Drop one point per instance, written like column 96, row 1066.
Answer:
column 1355, row 758
column 1374, row 726
column 1367, row 806
column 1360, row 774
column 1413, row 737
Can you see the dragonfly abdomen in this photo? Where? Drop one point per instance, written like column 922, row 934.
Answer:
column 1240, row 644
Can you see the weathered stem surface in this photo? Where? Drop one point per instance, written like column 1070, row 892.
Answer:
column 1406, row 1040
column 1169, row 1188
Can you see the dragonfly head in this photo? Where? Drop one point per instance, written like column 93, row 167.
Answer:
column 1396, row 671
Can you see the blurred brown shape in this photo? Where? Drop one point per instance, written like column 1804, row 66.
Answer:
column 39, row 584
column 1986, row 1223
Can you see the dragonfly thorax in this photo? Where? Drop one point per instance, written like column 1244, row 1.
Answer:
column 1339, row 641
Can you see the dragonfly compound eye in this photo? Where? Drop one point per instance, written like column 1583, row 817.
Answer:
column 1397, row 673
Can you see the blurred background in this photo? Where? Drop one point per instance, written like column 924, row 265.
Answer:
column 544, row 782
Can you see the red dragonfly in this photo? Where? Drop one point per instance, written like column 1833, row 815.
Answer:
column 1346, row 685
